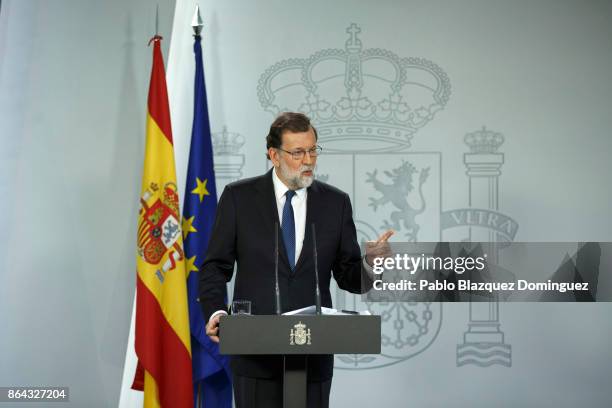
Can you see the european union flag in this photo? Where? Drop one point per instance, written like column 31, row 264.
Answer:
column 211, row 372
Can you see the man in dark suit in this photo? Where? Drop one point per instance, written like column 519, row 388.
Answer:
column 248, row 213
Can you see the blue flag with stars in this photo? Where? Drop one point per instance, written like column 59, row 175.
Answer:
column 211, row 372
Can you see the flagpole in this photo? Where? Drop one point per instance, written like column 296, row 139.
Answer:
column 157, row 20
column 197, row 23
column 156, row 37
column 211, row 372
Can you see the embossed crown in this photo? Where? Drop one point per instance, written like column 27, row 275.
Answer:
column 484, row 141
column 225, row 142
column 357, row 96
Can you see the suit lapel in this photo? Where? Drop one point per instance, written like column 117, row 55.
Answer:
column 266, row 202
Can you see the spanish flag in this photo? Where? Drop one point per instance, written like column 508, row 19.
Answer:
column 162, row 318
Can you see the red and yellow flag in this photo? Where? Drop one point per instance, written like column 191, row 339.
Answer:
column 162, row 320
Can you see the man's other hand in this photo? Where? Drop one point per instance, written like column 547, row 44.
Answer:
column 379, row 248
column 212, row 328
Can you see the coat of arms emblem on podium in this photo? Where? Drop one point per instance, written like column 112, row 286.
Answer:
column 299, row 335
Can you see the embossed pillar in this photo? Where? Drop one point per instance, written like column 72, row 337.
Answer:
column 228, row 160
column 483, row 164
column 483, row 342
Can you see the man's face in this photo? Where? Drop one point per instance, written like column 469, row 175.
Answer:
column 294, row 173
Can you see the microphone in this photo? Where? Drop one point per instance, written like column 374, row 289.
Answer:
column 276, row 288
column 316, row 270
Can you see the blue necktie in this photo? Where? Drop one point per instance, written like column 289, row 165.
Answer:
column 288, row 228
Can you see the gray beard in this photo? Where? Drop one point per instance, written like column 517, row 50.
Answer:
column 296, row 182
column 299, row 182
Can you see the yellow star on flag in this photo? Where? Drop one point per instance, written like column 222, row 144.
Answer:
column 190, row 265
column 187, row 226
column 200, row 188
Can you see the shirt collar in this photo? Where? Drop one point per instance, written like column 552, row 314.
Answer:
column 280, row 188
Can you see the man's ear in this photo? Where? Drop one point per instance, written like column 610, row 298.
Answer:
column 273, row 153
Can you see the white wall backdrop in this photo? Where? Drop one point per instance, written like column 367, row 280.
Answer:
column 73, row 84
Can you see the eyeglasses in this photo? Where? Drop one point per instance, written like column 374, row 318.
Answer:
column 299, row 154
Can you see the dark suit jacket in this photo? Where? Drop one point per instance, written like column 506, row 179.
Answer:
column 244, row 233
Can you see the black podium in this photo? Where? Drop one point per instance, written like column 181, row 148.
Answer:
column 296, row 336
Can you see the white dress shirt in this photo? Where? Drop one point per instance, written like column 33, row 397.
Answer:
column 299, row 210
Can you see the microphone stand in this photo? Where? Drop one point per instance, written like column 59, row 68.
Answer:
column 276, row 288
column 316, row 270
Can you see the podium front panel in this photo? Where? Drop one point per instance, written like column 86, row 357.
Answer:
column 248, row 334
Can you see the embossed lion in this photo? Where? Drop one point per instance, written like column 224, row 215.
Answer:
column 398, row 193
